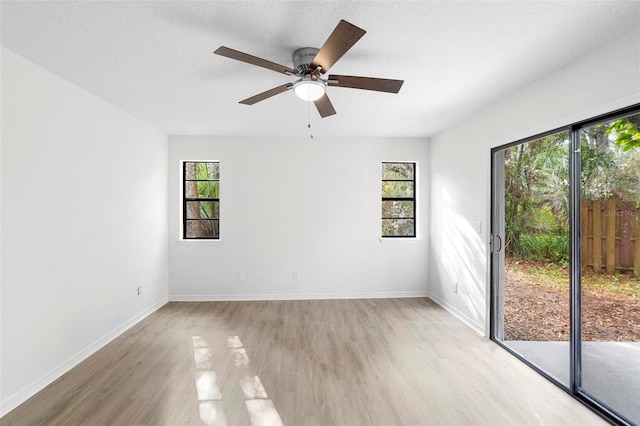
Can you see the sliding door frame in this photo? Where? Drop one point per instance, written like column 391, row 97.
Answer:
column 497, row 240
column 575, row 263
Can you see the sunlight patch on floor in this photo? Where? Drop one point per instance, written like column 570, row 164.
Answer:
column 262, row 411
column 210, row 405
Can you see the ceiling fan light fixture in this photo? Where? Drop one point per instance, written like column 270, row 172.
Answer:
column 308, row 89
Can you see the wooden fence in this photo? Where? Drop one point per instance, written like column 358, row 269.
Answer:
column 610, row 236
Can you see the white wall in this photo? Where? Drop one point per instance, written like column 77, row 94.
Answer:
column 310, row 206
column 84, row 223
column 603, row 81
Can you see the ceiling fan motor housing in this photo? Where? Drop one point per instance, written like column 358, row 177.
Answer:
column 302, row 58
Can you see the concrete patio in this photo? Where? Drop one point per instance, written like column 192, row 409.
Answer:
column 611, row 370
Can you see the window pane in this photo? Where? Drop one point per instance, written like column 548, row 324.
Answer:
column 397, row 209
column 532, row 260
column 203, row 209
column 202, row 228
column 398, row 227
column 209, row 171
column 397, row 171
column 610, row 290
column 202, row 171
column 202, row 189
column 397, row 189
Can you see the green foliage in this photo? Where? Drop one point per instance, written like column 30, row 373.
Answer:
column 208, row 175
column 596, row 161
column 537, row 184
column 398, row 215
column 398, row 227
column 557, row 276
column 625, row 134
column 398, row 209
column 536, row 190
column 397, row 171
column 551, row 248
column 397, row 189
column 202, row 187
column 545, row 221
column 610, row 168
column 618, row 284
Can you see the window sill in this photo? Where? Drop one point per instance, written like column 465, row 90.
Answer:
column 399, row 240
column 184, row 242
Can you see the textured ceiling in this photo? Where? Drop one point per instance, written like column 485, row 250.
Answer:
column 155, row 60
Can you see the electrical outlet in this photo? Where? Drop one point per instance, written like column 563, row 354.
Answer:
column 139, row 290
column 242, row 276
column 455, row 287
column 296, row 276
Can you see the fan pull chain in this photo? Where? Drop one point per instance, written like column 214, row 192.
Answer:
column 309, row 120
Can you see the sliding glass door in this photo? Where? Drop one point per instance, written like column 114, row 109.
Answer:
column 532, row 248
column 565, row 245
column 610, row 259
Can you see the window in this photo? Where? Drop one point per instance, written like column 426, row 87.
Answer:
column 201, row 200
column 398, row 199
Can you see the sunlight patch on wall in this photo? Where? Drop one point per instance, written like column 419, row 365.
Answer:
column 463, row 257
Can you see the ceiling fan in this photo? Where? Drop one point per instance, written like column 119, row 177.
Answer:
column 310, row 66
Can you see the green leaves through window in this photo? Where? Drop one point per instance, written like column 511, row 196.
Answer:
column 201, row 200
column 398, row 199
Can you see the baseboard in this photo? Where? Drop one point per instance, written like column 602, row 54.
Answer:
column 456, row 313
column 296, row 296
column 36, row 386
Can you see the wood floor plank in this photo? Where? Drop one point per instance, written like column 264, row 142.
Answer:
column 321, row 362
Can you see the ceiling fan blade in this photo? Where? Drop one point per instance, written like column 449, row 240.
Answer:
column 265, row 95
column 253, row 60
column 366, row 83
column 324, row 106
column 343, row 37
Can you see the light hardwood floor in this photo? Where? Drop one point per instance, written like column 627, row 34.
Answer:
column 322, row 362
